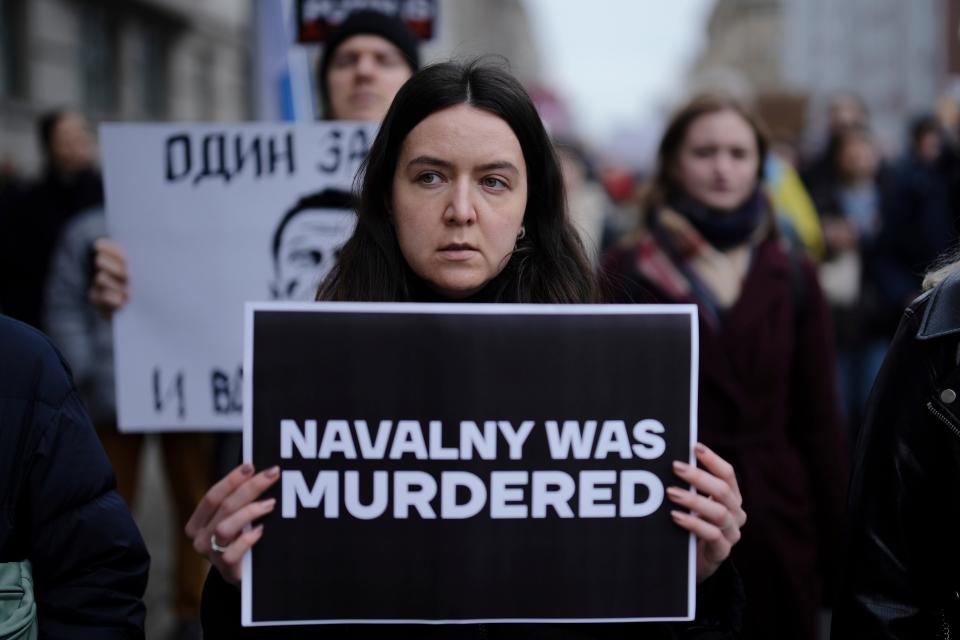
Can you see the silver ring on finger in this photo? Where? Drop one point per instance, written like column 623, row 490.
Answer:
column 216, row 546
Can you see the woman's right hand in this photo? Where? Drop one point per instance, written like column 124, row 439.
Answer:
column 109, row 290
column 226, row 509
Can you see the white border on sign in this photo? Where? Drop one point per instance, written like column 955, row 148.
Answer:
column 694, row 389
column 449, row 308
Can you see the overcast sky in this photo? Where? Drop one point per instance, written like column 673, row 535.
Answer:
column 617, row 61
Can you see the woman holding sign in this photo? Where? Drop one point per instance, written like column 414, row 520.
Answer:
column 462, row 200
column 767, row 396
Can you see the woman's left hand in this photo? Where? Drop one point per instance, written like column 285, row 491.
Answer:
column 717, row 508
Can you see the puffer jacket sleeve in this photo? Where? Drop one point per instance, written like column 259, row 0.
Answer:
column 89, row 561
column 900, row 571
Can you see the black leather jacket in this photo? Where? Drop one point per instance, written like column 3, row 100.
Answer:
column 902, row 571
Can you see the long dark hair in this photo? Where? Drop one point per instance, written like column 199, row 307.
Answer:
column 548, row 265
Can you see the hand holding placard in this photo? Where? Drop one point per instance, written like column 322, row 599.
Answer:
column 109, row 290
column 231, row 504
column 717, row 513
column 226, row 509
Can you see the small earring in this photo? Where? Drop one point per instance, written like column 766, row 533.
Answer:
column 523, row 233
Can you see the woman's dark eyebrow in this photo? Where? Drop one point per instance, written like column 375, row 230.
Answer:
column 430, row 161
column 499, row 166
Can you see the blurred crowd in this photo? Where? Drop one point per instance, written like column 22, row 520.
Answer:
column 866, row 225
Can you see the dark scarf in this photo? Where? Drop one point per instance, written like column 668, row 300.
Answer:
column 722, row 229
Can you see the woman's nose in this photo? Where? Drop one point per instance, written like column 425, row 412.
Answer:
column 460, row 208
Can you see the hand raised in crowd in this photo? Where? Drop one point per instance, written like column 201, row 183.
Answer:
column 839, row 234
column 216, row 525
column 716, row 509
column 109, row 290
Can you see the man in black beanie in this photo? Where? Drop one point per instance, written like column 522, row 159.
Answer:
column 365, row 61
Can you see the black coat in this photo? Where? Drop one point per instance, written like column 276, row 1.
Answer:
column 902, row 572
column 29, row 227
column 720, row 603
column 919, row 225
column 58, row 504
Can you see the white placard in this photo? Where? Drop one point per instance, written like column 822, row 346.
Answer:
column 210, row 217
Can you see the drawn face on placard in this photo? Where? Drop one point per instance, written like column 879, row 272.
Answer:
column 459, row 196
column 307, row 245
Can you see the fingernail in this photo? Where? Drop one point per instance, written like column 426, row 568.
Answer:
column 677, row 515
column 246, row 468
column 273, row 472
column 680, row 466
column 674, row 492
column 258, row 528
column 699, row 448
column 268, row 503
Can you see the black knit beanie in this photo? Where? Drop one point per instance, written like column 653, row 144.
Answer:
column 368, row 21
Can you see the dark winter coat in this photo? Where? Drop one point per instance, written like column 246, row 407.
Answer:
column 902, row 569
column 919, row 224
column 29, row 229
column 768, row 404
column 58, row 504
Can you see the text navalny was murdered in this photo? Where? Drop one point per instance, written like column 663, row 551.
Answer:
column 459, row 494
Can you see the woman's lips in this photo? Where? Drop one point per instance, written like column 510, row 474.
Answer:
column 364, row 99
column 458, row 252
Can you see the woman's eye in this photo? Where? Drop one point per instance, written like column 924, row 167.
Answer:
column 494, row 183
column 428, row 178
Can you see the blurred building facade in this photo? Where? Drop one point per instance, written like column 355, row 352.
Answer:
column 895, row 55
column 120, row 60
column 500, row 27
column 157, row 60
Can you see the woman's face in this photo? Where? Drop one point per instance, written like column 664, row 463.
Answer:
column 858, row 158
column 717, row 161
column 459, row 195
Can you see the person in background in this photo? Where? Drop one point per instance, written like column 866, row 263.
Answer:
column 85, row 338
column 852, row 206
column 921, row 221
column 462, row 201
column 900, row 570
column 586, row 198
column 63, row 523
column 70, row 183
column 364, row 63
column 844, row 110
column 768, row 400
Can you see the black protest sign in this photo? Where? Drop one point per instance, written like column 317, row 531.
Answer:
column 317, row 19
column 466, row 463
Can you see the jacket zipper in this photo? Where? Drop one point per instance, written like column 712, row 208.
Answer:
column 946, row 632
column 944, row 419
